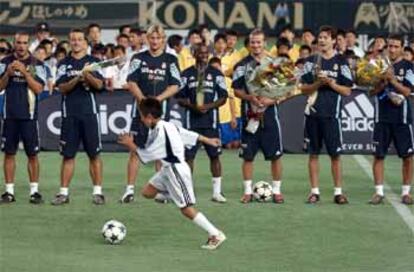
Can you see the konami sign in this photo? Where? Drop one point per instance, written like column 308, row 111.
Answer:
column 220, row 14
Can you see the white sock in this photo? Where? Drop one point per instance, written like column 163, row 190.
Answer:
column 248, row 187
column 216, row 185
column 405, row 190
column 201, row 221
column 276, row 187
column 64, row 191
column 129, row 189
column 338, row 191
column 34, row 187
column 97, row 190
column 10, row 188
column 379, row 190
column 315, row 191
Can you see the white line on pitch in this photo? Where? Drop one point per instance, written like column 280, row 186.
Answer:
column 401, row 209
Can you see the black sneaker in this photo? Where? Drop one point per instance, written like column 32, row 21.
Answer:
column 98, row 199
column 36, row 198
column 60, row 200
column 341, row 199
column 7, row 198
column 313, row 199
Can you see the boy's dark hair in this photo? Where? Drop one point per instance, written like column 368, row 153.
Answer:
column 231, row 32
column 136, row 31
column 194, row 31
column 214, row 60
column 122, row 27
column 60, row 50
column 350, row 54
column 122, row 36
column 351, row 30
column 118, row 47
column 300, row 61
column 202, row 27
column 98, row 48
column 330, row 29
column 45, row 42
column 220, row 36
column 305, row 47
column 150, row 106
column 283, row 42
column 409, row 49
column 92, row 26
column 307, row 30
column 340, row 32
column 109, row 47
column 174, row 40
column 397, row 37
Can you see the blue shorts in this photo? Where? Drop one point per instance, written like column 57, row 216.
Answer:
column 400, row 134
column 14, row 130
column 320, row 130
column 228, row 134
column 212, row 152
column 77, row 129
column 267, row 138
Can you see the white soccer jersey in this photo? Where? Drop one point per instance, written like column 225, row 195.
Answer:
column 166, row 142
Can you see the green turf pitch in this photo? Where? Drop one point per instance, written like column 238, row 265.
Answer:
column 261, row 237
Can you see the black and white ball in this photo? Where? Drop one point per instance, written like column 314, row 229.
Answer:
column 114, row 232
column 262, row 191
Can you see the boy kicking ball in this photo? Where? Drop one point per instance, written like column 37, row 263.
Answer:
column 166, row 142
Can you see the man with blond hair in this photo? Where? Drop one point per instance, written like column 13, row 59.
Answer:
column 152, row 73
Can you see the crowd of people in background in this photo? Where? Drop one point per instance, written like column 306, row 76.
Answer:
column 183, row 65
column 130, row 40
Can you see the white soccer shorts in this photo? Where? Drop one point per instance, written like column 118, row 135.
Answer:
column 177, row 181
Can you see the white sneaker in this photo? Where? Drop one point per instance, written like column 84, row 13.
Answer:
column 128, row 197
column 162, row 198
column 214, row 242
column 219, row 198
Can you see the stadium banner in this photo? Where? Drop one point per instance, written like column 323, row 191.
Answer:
column 367, row 17
column 115, row 118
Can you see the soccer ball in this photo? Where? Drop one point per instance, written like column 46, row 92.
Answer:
column 262, row 191
column 114, row 232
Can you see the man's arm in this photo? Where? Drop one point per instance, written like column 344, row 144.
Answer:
column 92, row 81
column 4, row 80
column 33, row 84
column 206, row 107
column 248, row 97
column 209, row 141
column 135, row 91
column 378, row 88
column 174, row 82
column 341, row 89
column 67, row 87
column 169, row 91
column 310, row 88
column 399, row 87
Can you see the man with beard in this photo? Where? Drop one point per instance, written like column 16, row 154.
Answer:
column 22, row 77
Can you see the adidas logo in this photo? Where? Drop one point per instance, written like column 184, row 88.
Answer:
column 358, row 115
